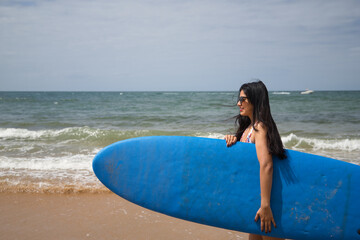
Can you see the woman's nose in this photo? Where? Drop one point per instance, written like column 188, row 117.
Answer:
column 238, row 103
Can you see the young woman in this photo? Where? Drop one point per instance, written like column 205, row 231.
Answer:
column 256, row 125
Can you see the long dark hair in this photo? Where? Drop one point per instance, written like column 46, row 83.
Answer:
column 258, row 96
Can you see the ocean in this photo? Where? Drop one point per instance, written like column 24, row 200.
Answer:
column 48, row 139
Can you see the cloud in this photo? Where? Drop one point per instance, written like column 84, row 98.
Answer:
column 154, row 45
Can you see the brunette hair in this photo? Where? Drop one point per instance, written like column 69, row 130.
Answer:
column 258, row 96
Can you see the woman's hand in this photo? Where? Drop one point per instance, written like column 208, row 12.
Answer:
column 230, row 140
column 266, row 218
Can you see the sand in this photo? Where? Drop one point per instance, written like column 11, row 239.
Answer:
column 93, row 216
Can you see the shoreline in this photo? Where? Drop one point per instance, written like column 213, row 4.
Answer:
column 94, row 216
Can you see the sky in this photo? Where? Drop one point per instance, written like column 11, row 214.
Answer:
column 178, row 45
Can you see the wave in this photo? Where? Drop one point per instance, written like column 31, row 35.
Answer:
column 107, row 136
column 76, row 133
column 72, row 162
column 210, row 135
column 11, row 133
column 302, row 143
column 87, row 133
column 62, row 174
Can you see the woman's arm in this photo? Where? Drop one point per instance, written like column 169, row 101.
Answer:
column 266, row 175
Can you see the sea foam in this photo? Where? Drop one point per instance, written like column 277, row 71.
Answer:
column 295, row 142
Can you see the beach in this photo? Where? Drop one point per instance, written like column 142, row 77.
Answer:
column 48, row 140
column 93, row 216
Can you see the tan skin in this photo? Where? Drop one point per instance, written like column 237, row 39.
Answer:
column 266, row 168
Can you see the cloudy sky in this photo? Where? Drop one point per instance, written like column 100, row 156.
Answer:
column 176, row 45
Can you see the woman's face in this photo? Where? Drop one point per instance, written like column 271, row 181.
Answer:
column 246, row 108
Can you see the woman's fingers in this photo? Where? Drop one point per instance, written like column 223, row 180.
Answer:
column 265, row 221
column 266, row 226
column 257, row 217
column 230, row 140
column 273, row 221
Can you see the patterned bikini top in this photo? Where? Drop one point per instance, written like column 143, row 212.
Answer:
column 248, row 137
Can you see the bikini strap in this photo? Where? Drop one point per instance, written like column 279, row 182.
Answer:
column 248, row 138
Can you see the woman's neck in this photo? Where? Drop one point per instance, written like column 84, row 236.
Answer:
column 251, row 120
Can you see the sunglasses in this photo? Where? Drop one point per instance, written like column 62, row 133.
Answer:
column 241, row 99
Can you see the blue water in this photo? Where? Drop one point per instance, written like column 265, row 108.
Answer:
column 48, row 139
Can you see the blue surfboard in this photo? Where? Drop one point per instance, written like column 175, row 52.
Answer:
column 202, row 180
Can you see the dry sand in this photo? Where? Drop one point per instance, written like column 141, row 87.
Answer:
column 93, row 216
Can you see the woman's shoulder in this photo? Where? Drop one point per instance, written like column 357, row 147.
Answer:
column 261, row 130
column 260, row 126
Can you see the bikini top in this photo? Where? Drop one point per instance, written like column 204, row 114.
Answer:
column 248, row 137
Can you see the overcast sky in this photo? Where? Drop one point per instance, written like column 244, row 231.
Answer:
column 130, row 45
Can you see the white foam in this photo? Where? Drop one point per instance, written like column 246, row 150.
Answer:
column 323, row 144
column 52, row 172
column 8, row 133
column 71, row 162
column 211, row 135
column 19, row 133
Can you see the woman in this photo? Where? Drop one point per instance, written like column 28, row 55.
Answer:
column 257, row 126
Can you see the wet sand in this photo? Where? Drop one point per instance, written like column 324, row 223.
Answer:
column 93, row 216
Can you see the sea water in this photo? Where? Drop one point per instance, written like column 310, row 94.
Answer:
column 48, row 139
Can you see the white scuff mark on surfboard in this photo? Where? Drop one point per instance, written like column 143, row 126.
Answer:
column 300, row 217
column 333, row 193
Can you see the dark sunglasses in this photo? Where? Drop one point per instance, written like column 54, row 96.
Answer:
column 241, row 99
